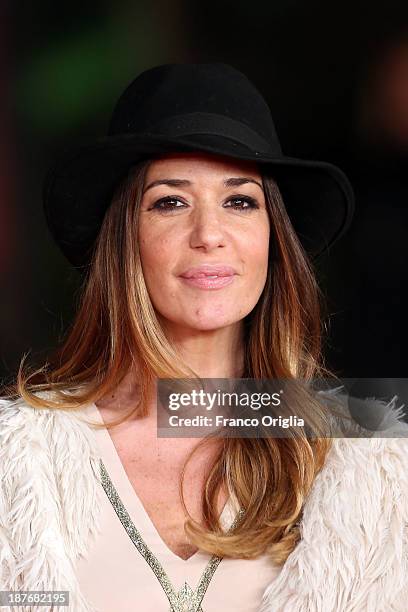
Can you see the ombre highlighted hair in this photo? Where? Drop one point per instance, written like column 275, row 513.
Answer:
column 116, row 331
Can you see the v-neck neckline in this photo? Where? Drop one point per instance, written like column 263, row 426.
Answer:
column 134, row 504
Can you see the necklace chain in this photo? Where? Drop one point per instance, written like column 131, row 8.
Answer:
column 186, row 599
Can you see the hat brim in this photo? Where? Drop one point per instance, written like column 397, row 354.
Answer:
column 79, row 187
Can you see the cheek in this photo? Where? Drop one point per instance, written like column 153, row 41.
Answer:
column 155, row 249
column 257, row 252
column 158, row 254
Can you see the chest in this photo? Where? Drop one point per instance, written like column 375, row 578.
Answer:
column 154, row 472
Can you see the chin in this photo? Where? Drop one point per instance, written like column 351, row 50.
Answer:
column 208, row 317
column 209, row 326
column 209, row 323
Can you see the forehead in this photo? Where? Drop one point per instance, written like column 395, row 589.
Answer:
column 200, row 164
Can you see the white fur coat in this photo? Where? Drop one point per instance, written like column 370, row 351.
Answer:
column 352, row 556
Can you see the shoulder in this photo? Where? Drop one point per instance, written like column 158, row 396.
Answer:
column 50, row 467
column 21, row 421
column 363, row 485
column 372, row 459
column 18, row 414
column 46, row 437
column 21, row 433
column 365, row 464
column 49, row 497
column 361, row 492
column 354, row 530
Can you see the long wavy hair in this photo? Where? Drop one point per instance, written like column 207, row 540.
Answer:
column 116, row 330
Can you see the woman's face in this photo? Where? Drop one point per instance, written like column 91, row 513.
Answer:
column 202, row 210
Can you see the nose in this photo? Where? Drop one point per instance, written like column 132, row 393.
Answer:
column 207, row 229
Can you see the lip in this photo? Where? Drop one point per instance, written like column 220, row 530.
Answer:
column 200, row 276
column 205, row 270
column 206, row 282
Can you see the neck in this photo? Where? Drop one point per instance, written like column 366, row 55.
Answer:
column 211, row 353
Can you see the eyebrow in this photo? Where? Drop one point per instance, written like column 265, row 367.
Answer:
column 230, row 182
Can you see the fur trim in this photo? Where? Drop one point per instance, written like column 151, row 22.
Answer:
column 353, row 552
column 46, row 513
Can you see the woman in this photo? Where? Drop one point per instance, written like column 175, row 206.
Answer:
column 191, row 181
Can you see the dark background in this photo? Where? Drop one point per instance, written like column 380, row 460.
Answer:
column 336, row 78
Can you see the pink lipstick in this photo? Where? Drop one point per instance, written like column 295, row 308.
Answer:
column 209, row 276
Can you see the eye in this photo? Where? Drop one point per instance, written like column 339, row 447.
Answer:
column 244, row 203
column 166, row 204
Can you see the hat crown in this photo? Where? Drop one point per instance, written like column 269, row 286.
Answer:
column 177, row 99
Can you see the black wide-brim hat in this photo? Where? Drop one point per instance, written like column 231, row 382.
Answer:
column 212, row 108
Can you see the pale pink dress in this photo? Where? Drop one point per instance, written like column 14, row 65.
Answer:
column 115, row 577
